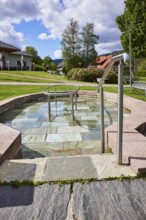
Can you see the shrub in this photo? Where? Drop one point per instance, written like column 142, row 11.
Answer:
column 142, row 73
column 112, row 78
column 84, row 74
column 38, row 68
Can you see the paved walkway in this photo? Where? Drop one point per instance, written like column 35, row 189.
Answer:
column 103, row 200
column 63, row 82
column 116, row 200
column 63, row 168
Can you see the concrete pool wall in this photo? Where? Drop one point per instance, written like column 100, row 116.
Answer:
column 134, row 142
column 134, row 133
column 10, row 139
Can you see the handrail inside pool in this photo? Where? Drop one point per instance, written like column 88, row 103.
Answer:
column 72, row 93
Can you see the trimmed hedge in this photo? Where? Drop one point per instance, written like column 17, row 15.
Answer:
column 112, row 78
column 90, row 75
column 84, row 74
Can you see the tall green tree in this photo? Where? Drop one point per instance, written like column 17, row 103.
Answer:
column 31, row 50
column 49, row 64
column 70, row 45
column 36, row 59
column 70, row 40
column 47, row 60
column 88, row 40
column 133, row 22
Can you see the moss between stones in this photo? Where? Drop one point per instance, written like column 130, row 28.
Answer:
column 17, row 183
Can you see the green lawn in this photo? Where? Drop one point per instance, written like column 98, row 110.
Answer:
column 40, row 74
column 136, row 93
column 12, row 78
column 142, row 78
column 7, row 91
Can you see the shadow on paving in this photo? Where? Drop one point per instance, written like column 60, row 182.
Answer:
column 102, row 200
column 28, row 202
column 16, row 196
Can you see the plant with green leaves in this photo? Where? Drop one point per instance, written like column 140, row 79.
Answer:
column 70, row 44
column 36, row 59
column 70, row 40
column 88, row 41
column 133, row 22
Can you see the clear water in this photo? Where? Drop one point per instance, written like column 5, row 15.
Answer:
column 62, row 136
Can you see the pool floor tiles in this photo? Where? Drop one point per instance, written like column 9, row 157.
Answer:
column 52, row 149
column 62, row 136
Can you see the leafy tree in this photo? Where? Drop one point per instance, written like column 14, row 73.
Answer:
column 88, row 40
column 133, row 20
column 31, row 50
column 78, row 51
column 46, row 61
column 70, row 44
column 73, row 61
column 36, row 59
column 70, row 40
column 49, row 64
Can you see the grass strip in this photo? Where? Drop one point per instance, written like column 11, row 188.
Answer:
column 7, row 78
column 40, row 74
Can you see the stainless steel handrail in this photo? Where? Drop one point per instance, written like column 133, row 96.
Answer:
column 122, row 58
column 72, row 93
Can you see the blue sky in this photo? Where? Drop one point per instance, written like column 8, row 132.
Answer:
column 31, row 31
column 40, row 24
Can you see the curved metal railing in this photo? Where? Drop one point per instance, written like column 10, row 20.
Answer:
column 69, row 90
column 56, row 93
column 122, row 58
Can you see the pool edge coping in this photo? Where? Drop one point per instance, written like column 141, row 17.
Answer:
column 137, row 117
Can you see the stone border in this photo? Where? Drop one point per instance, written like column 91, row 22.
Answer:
column 134, row 143
column 10, row 139
column 12, row 102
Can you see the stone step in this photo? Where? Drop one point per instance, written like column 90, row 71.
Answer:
column 63, row 168
column 10, row 141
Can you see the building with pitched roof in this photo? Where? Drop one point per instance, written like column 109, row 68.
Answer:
column 12, row 58
column 103, row 61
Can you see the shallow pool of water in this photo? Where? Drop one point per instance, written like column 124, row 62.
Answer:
column 63, row 136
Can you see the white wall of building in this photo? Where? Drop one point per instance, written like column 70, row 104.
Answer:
column 13, row 61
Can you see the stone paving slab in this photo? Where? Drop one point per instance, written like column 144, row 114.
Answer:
column 69, row 168
column 36, row 138
column 21, row 170
column 117, row 200
column 63, row 168
column 38, row 203
column 106, row 165
column 63, row 137
column 104, row 200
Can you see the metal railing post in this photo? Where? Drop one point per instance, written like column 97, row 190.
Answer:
column 102, row 120
column 72, row 106
column 55, row 101
column 49, row 108
column 75, row 100
column 120, row 113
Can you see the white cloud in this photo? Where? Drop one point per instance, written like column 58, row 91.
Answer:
column 55, row 15
column 108, row 47
column 9, row 35
column 43, row 36
column 58, row 54
column 101, row 13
